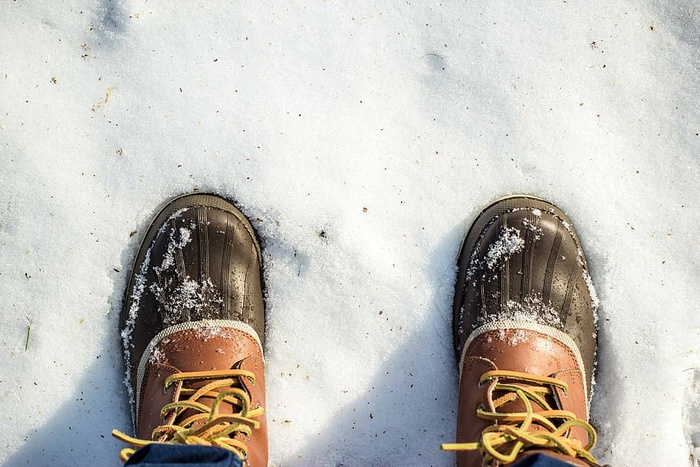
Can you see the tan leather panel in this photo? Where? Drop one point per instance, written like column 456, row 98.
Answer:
column 519, row 350
column 204, row 349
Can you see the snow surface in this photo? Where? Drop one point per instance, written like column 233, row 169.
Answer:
column 361, row 138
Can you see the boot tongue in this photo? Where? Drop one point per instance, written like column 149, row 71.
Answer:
column 206, row 348
column 224, row 408
column 518, row 405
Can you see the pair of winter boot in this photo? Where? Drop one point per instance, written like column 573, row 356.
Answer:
column 524, row 333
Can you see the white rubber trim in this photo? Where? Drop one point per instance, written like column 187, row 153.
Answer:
column 186, row 326
column 554, row 333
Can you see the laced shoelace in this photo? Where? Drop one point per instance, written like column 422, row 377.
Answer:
column 511, row 433
column 217, row 429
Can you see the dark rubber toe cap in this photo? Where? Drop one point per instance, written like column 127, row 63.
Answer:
column 522, row 260
column 199, row 260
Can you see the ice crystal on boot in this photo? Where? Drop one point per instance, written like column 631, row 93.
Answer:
column 175, row 243
column 529, row 225
column 187, row 300
column 508, row 243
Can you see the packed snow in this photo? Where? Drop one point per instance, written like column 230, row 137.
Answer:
column 361, row 138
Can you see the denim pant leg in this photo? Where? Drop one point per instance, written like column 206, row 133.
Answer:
column 169, row 455
column 173, row 455
column 540, row 460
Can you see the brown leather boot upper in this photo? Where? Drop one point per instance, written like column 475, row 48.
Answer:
column 203, row 351
column 193, row 328
column 524, row 329
column 536, row 354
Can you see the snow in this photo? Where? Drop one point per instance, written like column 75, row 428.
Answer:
column 173, row 244
column 537, row 231
column 361, row 139
column 507, row 244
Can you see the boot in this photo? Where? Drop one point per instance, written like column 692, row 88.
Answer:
column 525, row 337
column 193, row 326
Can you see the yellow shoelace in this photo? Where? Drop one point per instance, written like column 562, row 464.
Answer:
column 218, row 429
column 510, row 434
